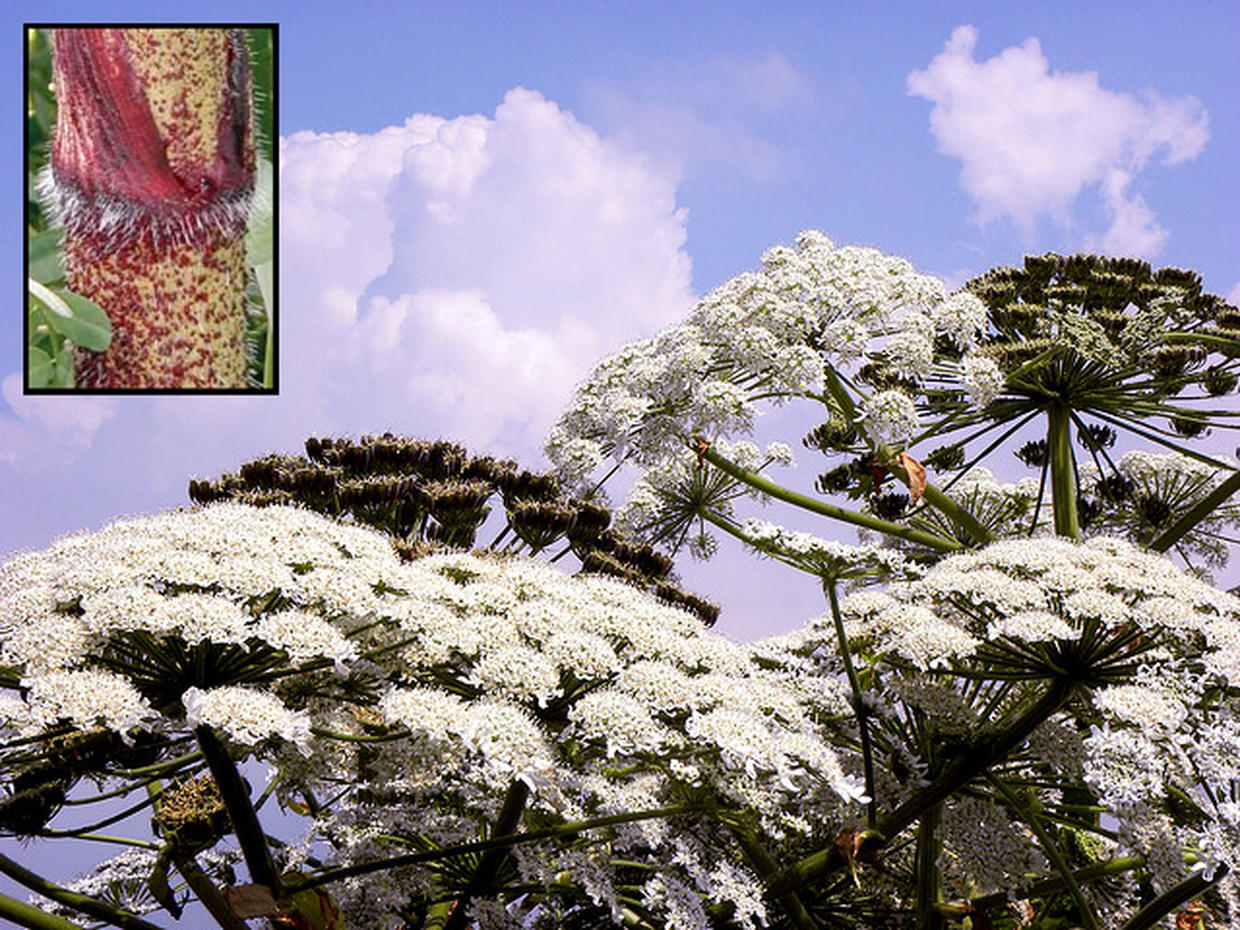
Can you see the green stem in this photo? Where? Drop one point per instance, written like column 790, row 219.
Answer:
column 483, row 879
column 499, row 842
column 1047, row 842
column 929, row 889
column 210, row 896
column 768, row 487
column 27, row 915
column 985, row 752
column 1063, row 479
column 118, row 840
column 92, row 907
column 1089, row 873
column 1199, row 512
column 949, row 508
column 859, row 707
column 1192, row 887
column 236, row 797
column 766, row 867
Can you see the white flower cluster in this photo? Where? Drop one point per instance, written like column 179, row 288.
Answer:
column 1050, row 588
column 1156, row 655
column 427, row 685
column 765, row 337
column 827, row 557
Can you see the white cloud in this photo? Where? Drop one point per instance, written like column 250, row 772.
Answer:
column 1031, row 140
column 450, row 277
column 40, row 419
column 1233, row 296
column 687, row 113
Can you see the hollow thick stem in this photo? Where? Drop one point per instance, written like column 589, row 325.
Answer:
column 1063, row 474
column 483, row 879
column 236, row 797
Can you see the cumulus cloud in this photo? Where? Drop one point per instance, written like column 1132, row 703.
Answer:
column 1032, row 140
column 450, row 277
column 714, row 112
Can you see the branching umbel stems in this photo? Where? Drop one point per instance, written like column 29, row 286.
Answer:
column 483, row 878
column 236, row 798
column 84, row 904
column 1047, row 843
column 988, row 750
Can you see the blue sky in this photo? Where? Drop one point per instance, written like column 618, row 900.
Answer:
column 480, row 199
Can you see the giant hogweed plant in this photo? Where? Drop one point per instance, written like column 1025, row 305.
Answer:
column 1042, row 723
column 1008, row 732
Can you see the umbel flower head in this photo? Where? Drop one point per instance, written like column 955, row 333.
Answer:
column 433, row 494
column 428, row 688
column 812, row 315
column 1143, row 663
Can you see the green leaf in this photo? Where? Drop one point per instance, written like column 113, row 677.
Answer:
column 80, row 320
column 63, row 376
column 258, row 245
column 44, row 255
column 39, row 368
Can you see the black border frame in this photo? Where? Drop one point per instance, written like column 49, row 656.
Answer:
column 274, row 309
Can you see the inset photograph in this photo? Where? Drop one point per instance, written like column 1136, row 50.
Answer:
column 151, row 209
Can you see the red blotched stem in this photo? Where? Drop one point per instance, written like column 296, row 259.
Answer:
column 151, row 175
column 236, row 797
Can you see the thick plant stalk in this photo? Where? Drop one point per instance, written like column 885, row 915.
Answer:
column 1063, row 477
column 929, row 888
column 27, row 915
column 236, row 797
column 491, row 860
column 151, row 176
